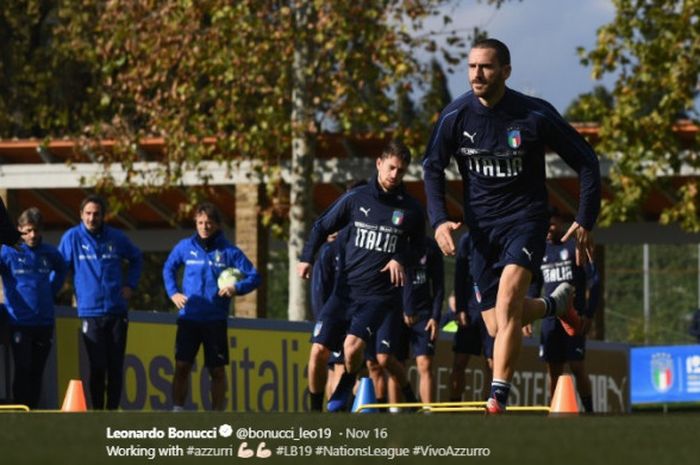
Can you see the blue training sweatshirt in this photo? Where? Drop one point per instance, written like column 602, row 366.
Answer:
column 96, row 260
column 500, row 153
column 31, row 276
column 424, row 291
column 381, row 226
column 199, row 280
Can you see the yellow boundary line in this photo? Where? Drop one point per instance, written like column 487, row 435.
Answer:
column 476, row 406
column 13, row 407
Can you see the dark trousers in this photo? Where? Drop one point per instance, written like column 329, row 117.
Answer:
column 105, row 341
column 30, row 350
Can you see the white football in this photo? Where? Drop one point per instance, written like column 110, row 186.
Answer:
column 229, row 277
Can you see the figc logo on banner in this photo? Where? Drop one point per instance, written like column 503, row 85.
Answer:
column 662, row 371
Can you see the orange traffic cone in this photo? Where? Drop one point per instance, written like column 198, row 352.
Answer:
column 564, row 399
column 75, row 397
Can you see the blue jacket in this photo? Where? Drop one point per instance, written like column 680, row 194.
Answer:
column 32, row 277
column 500, row 154
column 96, row 260
column 381, row 226
column 199, row 280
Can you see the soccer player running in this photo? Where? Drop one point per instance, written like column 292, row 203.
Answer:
column 384, row 223
column 203, row 306
column 32, row 275
column 498, row 137
column 563, row 342
column 424, row 294
column 472, row 337
column 96, row 252
column 323, row 280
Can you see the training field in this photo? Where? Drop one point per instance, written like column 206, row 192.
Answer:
column 77, row 438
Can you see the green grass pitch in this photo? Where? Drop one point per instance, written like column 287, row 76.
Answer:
column 81, row 439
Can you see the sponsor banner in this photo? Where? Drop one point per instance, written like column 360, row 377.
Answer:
column 607, row 365
column 268, row 367
column 664, row 374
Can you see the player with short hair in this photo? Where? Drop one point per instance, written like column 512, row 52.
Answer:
column 564, row 342
column 499, row 137
column 423, row 298
column 383, row 223
column 32, row 275
column 203, row 304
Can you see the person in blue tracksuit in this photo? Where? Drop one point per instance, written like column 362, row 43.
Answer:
column 498, row 138
column 423, row 297
column 384, row 225
column 471, row 337
column 96, row 253
column 564, row 342
column 32, row 275
column 203, row 306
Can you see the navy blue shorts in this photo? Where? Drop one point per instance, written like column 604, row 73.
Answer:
column 387, row 339
column 556, row 346
column 415, row 340
column 342, row 316
column 336, row 358
column 211, row 334
column 332, row 327
column 495, row 247
column 473, row 339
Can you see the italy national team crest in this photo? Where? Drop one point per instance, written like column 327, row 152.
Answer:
column 564, row 254
column 397, row 217
column 514, row 138
column 662, row 371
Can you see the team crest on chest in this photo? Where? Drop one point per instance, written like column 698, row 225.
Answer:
column 514, row 138
column 564, row 254
column 397, row 217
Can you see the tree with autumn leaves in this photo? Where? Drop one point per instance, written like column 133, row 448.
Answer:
column 653, row 49
column 260, row 79
column 245, row 80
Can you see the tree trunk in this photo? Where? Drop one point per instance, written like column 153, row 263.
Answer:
column 301, row 188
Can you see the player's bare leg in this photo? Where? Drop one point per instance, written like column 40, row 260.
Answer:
column 353, row 350
column 218, row 387
column 397, row 371
column 376, row 374
column 508, row 315
column 424, row 363
column 180, row 384
column 457, row 376
column 583, row 384
column 317, row 374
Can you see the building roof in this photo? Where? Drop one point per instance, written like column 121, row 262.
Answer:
column 55, row 176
